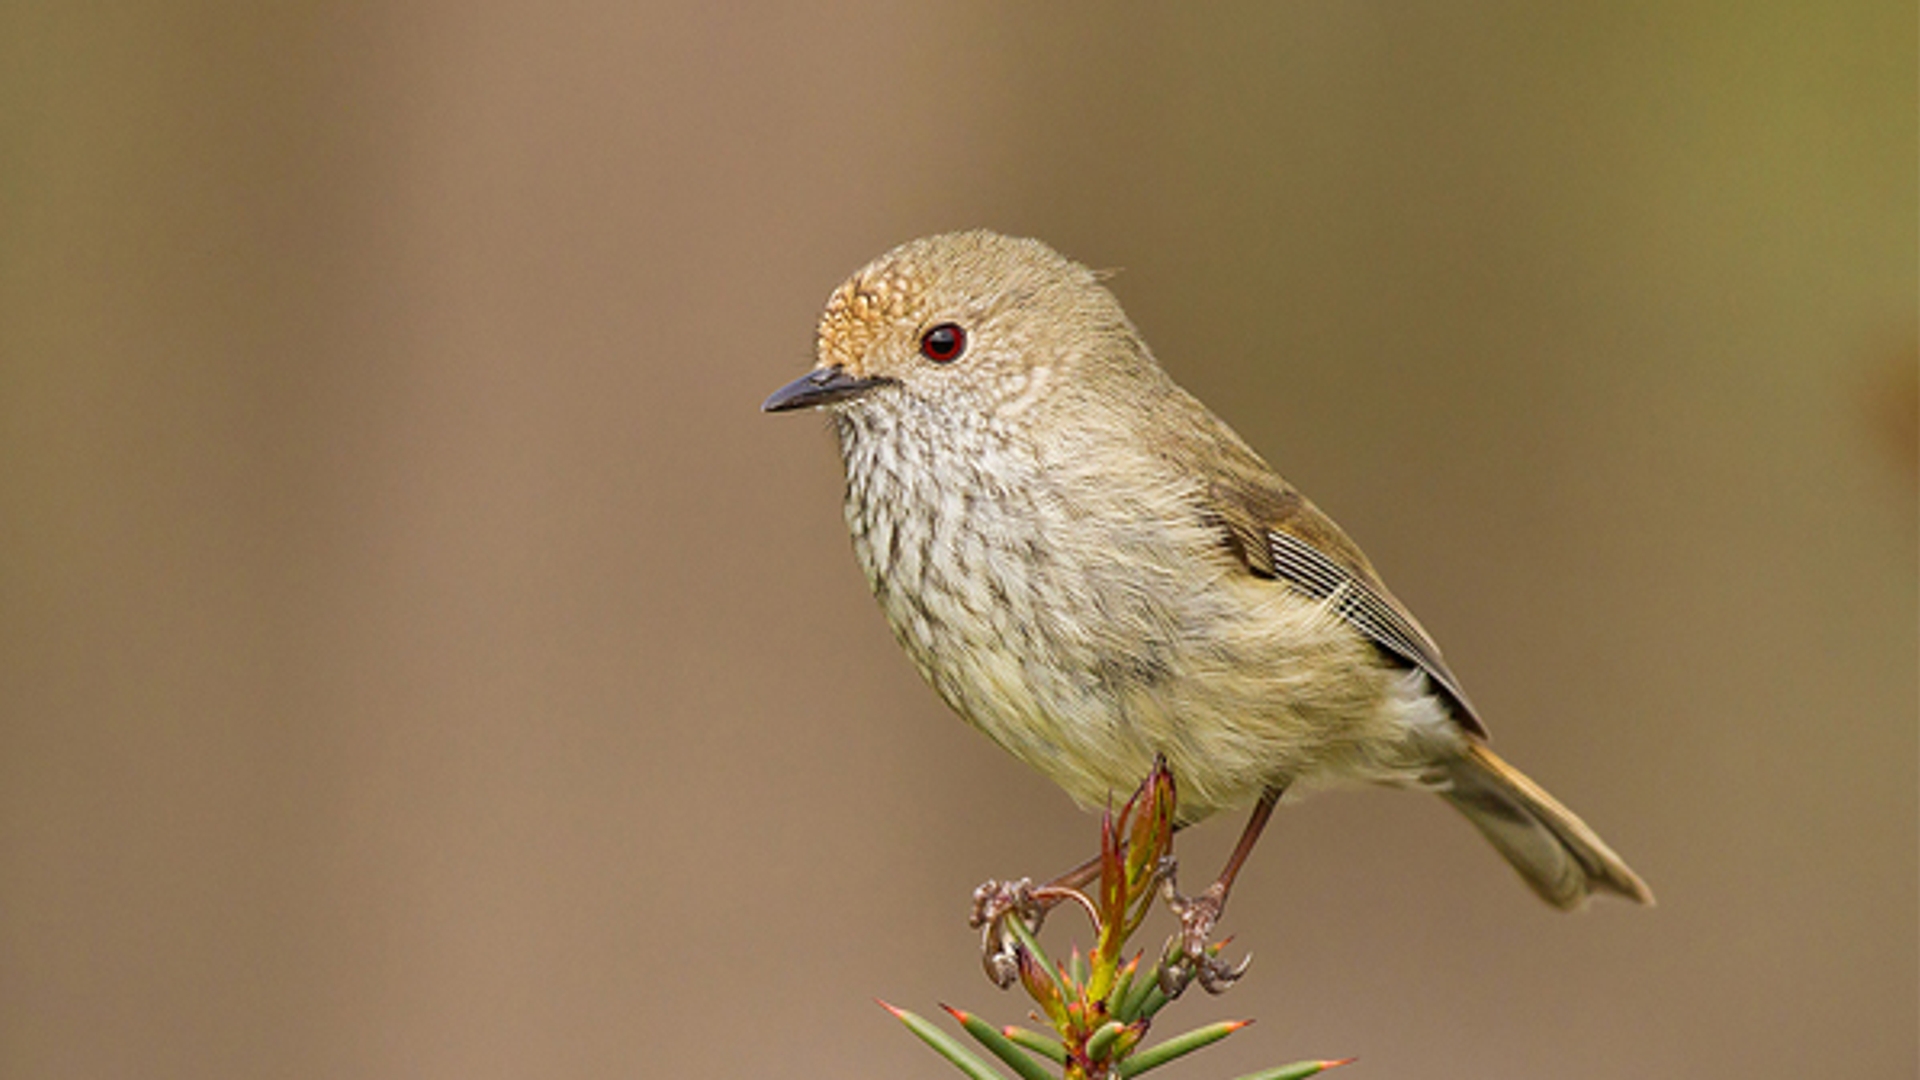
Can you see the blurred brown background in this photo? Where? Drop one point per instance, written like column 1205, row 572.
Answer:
column 419, row 658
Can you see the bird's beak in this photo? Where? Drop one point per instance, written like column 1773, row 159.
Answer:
column 821, row 386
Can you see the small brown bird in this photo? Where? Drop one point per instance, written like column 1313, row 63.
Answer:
column 1093, row 569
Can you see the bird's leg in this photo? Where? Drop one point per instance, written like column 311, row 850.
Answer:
column 1198, row 914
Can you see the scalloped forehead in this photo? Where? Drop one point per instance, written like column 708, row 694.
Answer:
column 884, row 294
column 925, row 277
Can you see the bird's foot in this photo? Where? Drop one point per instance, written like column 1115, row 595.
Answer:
column 1191, row 954
column 993, row 903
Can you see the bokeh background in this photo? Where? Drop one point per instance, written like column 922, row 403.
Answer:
column 419, row 658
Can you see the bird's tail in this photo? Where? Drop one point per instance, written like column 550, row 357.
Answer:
column 1560, row 858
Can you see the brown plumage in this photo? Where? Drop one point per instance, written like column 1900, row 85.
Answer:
column 1093, row 569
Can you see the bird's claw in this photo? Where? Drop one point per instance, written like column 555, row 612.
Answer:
column 993, row 902
column 1190, row 954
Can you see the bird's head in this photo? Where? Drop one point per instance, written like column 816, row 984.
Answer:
column 970, row 320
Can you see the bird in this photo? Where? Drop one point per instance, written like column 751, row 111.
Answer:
column 1092, row 569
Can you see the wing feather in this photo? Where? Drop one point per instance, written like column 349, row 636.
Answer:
column 1276, row 533
column 1370, row 609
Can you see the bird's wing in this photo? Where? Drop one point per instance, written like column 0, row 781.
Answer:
column 1276, row 533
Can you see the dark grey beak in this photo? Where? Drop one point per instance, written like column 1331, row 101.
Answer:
column 821, row 386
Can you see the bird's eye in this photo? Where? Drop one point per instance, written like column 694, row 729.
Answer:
column 944, row 343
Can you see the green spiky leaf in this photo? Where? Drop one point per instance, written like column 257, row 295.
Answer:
column 1299, row 1070
column 1100, row 1043
column 1044, row 1045
column 1003, row 1048
column 1179, row 1046
column 945, row 1045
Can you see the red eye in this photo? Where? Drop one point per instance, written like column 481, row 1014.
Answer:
column 944, row 343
